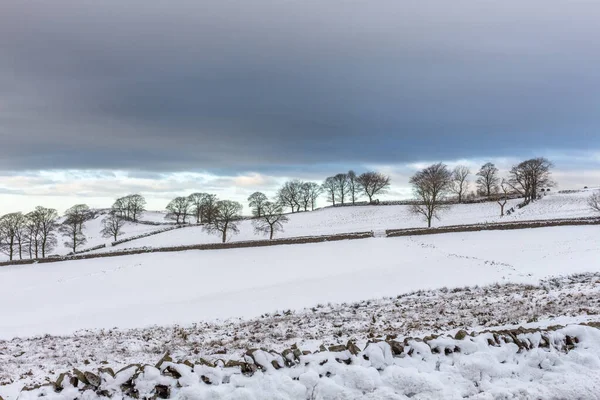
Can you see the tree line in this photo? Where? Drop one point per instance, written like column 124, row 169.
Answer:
column 35, row 234
column 433, row 185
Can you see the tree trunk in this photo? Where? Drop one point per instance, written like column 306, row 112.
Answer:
column 271, row 237
column 429, row 221
column 225, row 233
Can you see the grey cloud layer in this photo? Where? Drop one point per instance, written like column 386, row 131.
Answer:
column 154, row 85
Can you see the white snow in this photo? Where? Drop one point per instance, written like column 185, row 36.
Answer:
column 184, row 287
column 376, row 218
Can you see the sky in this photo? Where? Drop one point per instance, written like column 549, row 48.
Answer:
column 165, row 98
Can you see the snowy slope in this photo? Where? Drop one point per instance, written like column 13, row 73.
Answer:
column 366, row 218
column 144, row 289
column 541, row 372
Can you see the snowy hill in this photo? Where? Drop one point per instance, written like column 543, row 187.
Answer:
column 385, row 298
column 333, row 220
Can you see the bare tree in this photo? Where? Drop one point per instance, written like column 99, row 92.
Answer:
column 10, row 227
column 136, row 205
column 130, row 207
column 209, row 208
column 430, row 186
column 32, row 234
column 487, row 180
column 459, row 181
column 314, row 190
column 594, row 201
column 309, row 195
column 75, row 237
column 256, row 202
column 271, row 220
column 196, row 203
column 226, row 219
column 291, row 194
column 45, row 219
column 353, row 186
column 504, row 197
column 112, row 226
column 372, row 183
column 178, row 209
column 342, row 186
column 80, row 213
column 529, row 176
column 329, row 187
column 119, row 208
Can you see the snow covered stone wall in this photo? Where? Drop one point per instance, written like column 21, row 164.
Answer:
column 557, row 362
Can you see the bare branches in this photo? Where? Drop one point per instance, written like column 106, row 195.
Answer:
column 256, row 201
column 112, row 226
column 291, row 195
column 225, row 219
column 529, row 176
column 197, row 201
column 372, row 183
column 271, row 220
column 329, row 187
column 72, row 226
column 459, row 181
column 487, row 180
column 130, row 207
column 178, row 209
column 430, row 186
column 504, row 198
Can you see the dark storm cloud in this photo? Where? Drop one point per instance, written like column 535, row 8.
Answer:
column 233, row 85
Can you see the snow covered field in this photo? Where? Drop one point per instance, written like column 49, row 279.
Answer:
column 226, row 301
column 367, row 218
column 139, row 290
column 504, row 371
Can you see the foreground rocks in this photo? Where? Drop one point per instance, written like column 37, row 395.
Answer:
column 167, row 376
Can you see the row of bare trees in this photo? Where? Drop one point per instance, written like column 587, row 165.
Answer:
column 348, row 187
column 34, row 234
column 434, row 184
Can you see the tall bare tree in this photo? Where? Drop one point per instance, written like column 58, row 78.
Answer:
column 353, row 186
column 256, row 202
column 594, row 201
column 430, row 187
column 196, row 202
column 130, row 207
column 45, row 219
column 112, row 226
column 11, row 225
column 372, row 183
column 488, row 179
column 314, row 190
column 70, row 230
column 329, row 187
column 136, row 205
column 271, row 220
column 32, row 234
column 178, row 209
column 504, row 196
column 529, row 176
column 309, row 195
column 460, row 185
column 226, row 219
column 80, row 213
column 209, row 208
column 342, row 187
column 291, row 194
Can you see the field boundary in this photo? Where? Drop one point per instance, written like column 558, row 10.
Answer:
column 205, row 246
column 495, row 226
